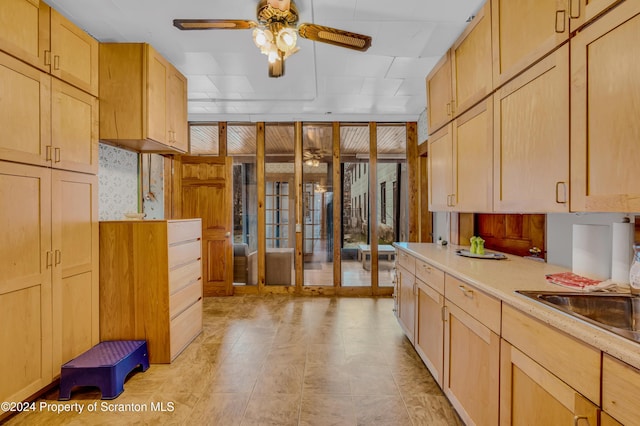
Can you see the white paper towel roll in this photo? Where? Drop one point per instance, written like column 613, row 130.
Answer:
column 621, row 251
column 592, row 251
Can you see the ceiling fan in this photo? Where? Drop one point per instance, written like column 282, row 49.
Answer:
column 275, row 32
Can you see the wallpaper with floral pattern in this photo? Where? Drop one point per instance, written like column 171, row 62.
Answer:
column 117, row 182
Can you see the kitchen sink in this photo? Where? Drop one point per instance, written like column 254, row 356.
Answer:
column 617, row 313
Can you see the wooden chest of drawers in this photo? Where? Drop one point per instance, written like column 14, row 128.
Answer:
column 151, row 284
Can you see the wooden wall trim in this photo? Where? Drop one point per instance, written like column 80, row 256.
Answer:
column 222, row 139
column 260, row 179
column 373, row 202
column 299, row 214
column 412, row 187
column 337, row 207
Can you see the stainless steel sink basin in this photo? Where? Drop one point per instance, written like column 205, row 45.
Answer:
column 618, row 313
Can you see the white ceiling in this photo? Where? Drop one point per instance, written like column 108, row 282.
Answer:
column 228, row 77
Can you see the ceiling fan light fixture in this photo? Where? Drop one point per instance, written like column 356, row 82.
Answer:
column 262, row 37
column 286, row 39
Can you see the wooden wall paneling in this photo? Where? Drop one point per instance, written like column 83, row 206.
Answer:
column 297, row 151
column 512, row 233
column 260, row 178
column 373, row 203
column 337, row 207
column 413, row 167
column 425, row 216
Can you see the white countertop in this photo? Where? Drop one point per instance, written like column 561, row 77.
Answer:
column 501, row 278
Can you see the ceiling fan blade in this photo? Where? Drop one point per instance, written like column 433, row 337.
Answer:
column 213, row 24
column 334, row 36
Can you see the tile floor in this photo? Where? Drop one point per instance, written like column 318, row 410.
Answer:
column 275, row 360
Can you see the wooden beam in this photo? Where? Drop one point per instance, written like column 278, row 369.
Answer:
column 425, row 216
column 413, row 181
column 222, row 139
column 260, row 179
column 373, row 203
column 337, row 207
column 297, row 151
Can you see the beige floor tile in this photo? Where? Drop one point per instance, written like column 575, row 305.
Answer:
column 265, row 410
column 279, row 360
column 327, row 410
column 381, row 411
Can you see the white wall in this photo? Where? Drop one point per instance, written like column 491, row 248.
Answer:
column 440, row 226
column 559, row 232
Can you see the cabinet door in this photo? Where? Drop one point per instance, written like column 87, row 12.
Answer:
column 406, row 284
column 620, row 388
column 177, row 111
column 472, row 74
column 24, row 31
column 532, row 395
column 582, row 12
column 531, row 139
column 523, row 32
column 605, row 94
column 25, row 113
column 439, row 94
column 471, row 367
column 25, row 280
column 429, row 329
column 75, row 264
column 473, row 159
column 75, row 54
column 157, row 96
column 74, row 128
column 441, row 196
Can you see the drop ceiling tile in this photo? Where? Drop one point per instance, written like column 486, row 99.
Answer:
column 231, row 86
column 200, row 83
column 402, row 38
column 413, row 87
column 380, row 86
column 443, row 36
column 411, row 67
column 335, row 85
column 198, row 63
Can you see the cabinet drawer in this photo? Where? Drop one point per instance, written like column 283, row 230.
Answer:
column 185, row 327
column 184, row 253
column 482, row 307
column 184, row 275
column 407, row 261
column 184, row 298
column 430, row 275
column 571, row 360
column 620, row 390
column 183, row 230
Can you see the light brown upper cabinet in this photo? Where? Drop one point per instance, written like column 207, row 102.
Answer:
column 531, row 139
column 45, row 121
column 24, row 31
column 143, row 101
column 523, row 32
column 473, row 159
column 74, row 129
column 25, row 113
column 441, row 192
column 471, row 64
column 440, row 94
column 461, row 162
column 33, row 32
column 74, row 54
column 605, row 130
column 582, row 12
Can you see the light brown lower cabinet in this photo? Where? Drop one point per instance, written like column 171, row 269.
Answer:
column 531, row 395
column 406, row 303
column 151, row 284
column 620, row 390
column 48, row 274
column 471, row 367
column 429, row 329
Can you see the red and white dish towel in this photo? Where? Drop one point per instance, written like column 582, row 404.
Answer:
column 578, row 282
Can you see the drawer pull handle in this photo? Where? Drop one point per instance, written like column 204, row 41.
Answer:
column 48, row 153
column 563, row 14
column 56, row 155
column 47, row 58
column 576, row 420
column 466, row 291
column 444, row 314
column 49, row 260
column 571, row 14
column 58, row 257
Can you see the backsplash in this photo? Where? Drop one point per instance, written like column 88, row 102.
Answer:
column 117, row 182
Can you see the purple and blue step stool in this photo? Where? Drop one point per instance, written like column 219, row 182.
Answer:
column 105, row 365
